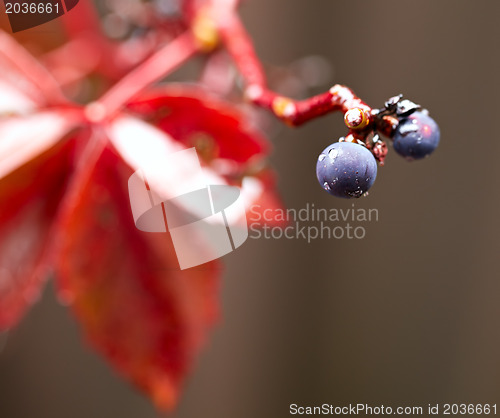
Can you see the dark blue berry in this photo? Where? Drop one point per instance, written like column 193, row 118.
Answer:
column 346, row 169
column 416, row 136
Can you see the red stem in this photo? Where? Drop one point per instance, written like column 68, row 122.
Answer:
column 157, row 66
column 240, row 46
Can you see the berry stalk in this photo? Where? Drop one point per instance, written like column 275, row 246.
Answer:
column 240, row 46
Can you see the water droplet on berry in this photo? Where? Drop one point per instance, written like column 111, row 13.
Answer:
column 407, row 129
column 355, row 193
column 326, row 186
column 321, row 157
column 416, row 136
column 333, row 153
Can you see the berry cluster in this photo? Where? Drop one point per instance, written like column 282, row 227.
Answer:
column 348, row 168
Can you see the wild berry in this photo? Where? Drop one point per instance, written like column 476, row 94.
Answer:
column 416, row 136
column 346, row 169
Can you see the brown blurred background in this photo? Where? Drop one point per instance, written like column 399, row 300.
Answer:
column 407, row 316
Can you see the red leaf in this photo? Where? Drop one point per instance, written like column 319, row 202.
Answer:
column 147, row 317
column 220, row 134
column 29, row 197
column 141, row 145
column 198, row 119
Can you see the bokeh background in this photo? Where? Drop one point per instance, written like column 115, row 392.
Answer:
column 407, row 316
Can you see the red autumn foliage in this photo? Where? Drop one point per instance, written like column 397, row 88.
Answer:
column 66, row 212
column 136, row 307
column 191, row 115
